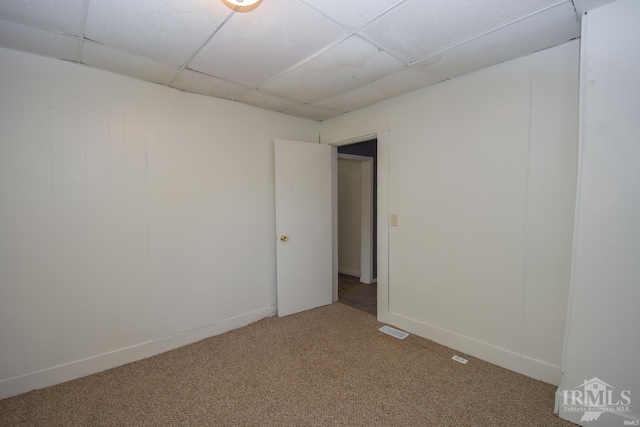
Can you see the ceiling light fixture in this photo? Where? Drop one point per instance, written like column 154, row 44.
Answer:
column 242, row 5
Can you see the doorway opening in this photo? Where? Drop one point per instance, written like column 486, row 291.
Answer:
column 357, row 231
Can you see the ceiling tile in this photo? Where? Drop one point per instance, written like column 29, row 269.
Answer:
column 346, row 66
column 537, row 32
column 251, row 47
column 417, row 29
column 386, row 87
column 357, row 98
column 195, row 82
column 353, row 13
column 313, row 112
column 64, row 16
column 583, row 6
column 404, row 81
column 38, row 41
column 110, row 59
column 310, row 58
column 168, row 31
column 269, row 101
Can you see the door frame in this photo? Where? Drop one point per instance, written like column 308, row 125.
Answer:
column 373, row 129
column 366, row 214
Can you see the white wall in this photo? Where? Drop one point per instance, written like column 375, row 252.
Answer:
column 129, row 212
column 602, row 334
column 349, row 201
column 134, row 218
column 481, row 172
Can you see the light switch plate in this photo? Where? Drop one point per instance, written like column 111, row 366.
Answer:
column 394, row 220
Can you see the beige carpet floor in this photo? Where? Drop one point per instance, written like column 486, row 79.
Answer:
column 324, row 367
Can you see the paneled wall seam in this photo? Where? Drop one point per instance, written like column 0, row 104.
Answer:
column 526, row 213
column 576, row 218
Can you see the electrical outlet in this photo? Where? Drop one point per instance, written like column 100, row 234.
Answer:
column 460, row 359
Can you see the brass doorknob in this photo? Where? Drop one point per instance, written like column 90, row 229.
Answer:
column 283, row 238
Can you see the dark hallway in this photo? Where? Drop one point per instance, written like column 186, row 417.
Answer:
column 358, row 295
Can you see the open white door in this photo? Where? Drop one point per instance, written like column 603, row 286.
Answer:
column 303, row 225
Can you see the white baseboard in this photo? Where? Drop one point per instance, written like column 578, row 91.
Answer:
column 91, row 365
column 348, row 272
column 522, row 364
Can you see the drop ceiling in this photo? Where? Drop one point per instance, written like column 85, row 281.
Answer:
column 309, row 58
